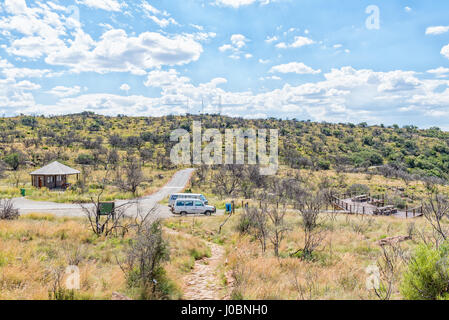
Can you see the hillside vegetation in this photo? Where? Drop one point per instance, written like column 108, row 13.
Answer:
column 89, row 139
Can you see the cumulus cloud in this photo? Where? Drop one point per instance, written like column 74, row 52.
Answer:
column 238, row 42
column 117, row 52
column 294, row 67
column 345, row 94
column 298, row 42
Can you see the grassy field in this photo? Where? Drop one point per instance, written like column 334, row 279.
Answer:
column 337, row 270
column 37, row 248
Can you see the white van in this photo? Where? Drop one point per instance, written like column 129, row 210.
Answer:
column 192, row 206
column 176, row 196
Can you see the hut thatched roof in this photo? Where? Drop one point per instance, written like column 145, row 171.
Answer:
column 54, row 169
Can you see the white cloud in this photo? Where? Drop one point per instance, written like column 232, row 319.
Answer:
column 151, row 12
column 439, row 72
column 294, row 67
column 125, row 87
column 437, row 30
column 108, row 5
column 159, row 78
column 61, row 91
column 445, row 51
column 301, row 41
column 11, row 72
column 408, row 9
column 116, row 52
column 238, row 42
column 15, row 6
column 234, row 3
column 281, row 45
column 27, row 85
column 271, row 39
column 298, row 42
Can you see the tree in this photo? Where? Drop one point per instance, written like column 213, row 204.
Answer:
column 436, row 210
column 133, row 175
column 13, row 160
column 309, row 206
column 143, row 263
column 278, row 227
column 227, row 179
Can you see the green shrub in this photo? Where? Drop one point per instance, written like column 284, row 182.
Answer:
column 358, row 189
column 427, row 276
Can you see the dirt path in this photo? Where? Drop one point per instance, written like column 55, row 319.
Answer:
column 203, row 283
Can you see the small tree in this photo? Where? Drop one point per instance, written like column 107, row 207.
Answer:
column 143, row 263
column 133, row 175
column 309, row 206
column 13, row 160
column 436, row 210
column 278, row 227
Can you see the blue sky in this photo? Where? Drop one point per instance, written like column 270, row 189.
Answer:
column 304, row 59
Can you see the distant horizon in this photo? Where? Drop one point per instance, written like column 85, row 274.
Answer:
column 333, row 61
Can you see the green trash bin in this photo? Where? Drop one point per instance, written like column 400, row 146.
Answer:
column 22, row 192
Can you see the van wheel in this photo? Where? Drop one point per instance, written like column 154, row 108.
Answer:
column 183, row 213
column 207, row 213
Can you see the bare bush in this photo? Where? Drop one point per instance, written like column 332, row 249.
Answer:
column 278, row 227
column 436, row 210
column 389, row 263
column 143, row 262
column 110, row 223
column 7, row 210
column 309, row 206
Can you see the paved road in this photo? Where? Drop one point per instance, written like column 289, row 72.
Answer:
column 144, row 204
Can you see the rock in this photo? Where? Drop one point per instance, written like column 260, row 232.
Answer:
column 392, row 240
column 119, row 296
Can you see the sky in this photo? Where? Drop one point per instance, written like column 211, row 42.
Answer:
column 380, row 62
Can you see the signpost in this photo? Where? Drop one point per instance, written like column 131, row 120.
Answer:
column 106, row 209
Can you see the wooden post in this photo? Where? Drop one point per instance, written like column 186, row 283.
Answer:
column 406, row 210
column 363, row 209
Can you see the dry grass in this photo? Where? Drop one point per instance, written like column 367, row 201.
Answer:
column 36, row 245
column 337, row 270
